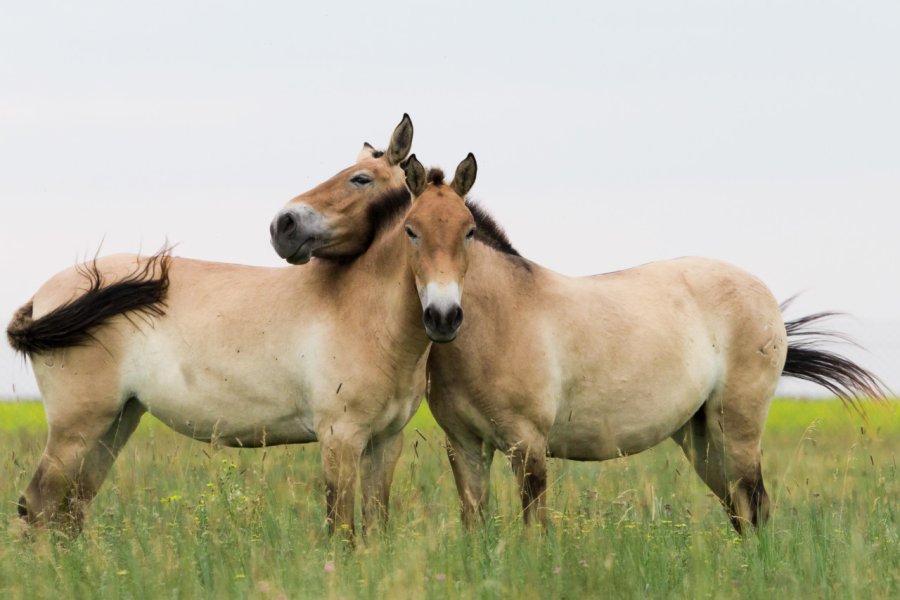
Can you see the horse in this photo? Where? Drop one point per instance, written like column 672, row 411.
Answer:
column 245, row 356
column 600, row 367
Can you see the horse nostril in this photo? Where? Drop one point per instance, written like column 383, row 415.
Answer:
column 286, row 224
column 23, row 510
column 428, row 317
column 456, row 317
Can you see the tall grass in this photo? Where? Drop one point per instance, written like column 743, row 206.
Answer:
column 180, row 519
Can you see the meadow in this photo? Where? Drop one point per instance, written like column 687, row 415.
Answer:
column 181, row 519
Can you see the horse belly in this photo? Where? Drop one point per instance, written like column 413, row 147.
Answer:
column 602, row 435
column 245, row 422
column 599, row 424
column 235, row 401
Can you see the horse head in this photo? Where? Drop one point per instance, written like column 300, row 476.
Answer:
column 338, row 218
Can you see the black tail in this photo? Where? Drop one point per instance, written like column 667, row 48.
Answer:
column 839, row 375
column 73, row 324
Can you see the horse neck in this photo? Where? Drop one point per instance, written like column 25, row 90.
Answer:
column 499, row 276
column 384, row 279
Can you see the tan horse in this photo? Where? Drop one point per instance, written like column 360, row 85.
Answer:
column 594, row 368
column 246, row 356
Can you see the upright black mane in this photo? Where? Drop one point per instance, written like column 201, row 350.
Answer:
column 489, row 232
column 382, row 213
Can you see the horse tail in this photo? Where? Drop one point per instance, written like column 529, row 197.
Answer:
column 807, row 360
column 74, row 323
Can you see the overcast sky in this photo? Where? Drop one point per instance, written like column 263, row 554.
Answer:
column 608, row 134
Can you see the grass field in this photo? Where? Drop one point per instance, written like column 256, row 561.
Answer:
column 180, row 519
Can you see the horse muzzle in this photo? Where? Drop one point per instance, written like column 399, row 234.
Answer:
column 442, row 324
column 442, row 314
column 297, row 232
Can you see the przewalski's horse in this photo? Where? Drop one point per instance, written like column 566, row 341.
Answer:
column 247, row 356
column 594, row 368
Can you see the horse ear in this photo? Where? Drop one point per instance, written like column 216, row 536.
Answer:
column 401, row 141
column 465, row 176
column 415, row 176
column 368, row 151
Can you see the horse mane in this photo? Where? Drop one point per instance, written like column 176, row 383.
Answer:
column 489, row 232
column 393, row 204
column 380, row 215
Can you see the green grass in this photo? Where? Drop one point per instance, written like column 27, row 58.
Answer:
column 180, row 519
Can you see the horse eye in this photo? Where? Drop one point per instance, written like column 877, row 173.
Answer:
column 412, row 234
column 361, row 179
column 470, row 234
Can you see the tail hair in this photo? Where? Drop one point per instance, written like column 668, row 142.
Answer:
column 74, row 323
column 807, row 360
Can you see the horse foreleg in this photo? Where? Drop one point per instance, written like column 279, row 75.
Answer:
column 530, row 465
column 377, row 464
column 470, row 460
column 341, row 450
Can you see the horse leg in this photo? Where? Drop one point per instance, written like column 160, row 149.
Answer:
column 99, row 461
column 377, row 464
column 530, row 465
column 722, row 442
column 74, row 465
column 470, row 460
column 342, row 448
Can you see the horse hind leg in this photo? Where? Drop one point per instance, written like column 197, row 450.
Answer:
column 73, row 467
column 748, row 501
column 722, row 442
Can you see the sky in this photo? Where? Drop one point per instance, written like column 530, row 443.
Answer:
column 608, row 134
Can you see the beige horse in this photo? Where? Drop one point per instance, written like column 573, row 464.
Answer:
column 594, row 368
column 246, row 356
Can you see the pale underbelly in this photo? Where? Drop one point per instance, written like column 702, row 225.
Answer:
column 229, row 404
column 232, row 424
column 606, row 430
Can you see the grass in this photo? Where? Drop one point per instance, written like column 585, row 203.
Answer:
column 180, row 519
